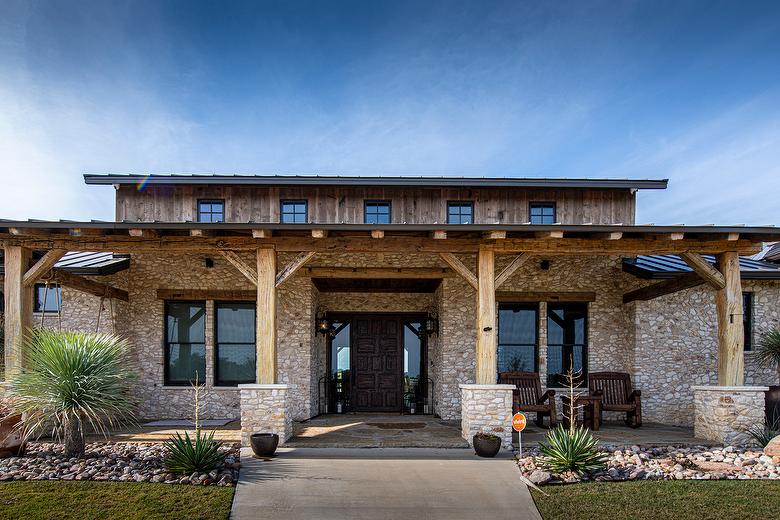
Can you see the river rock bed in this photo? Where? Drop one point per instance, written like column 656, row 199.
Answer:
column 113, row 461
column 664, row 463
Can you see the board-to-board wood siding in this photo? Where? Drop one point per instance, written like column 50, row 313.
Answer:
column 333, row 204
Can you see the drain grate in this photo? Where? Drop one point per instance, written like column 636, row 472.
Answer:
column 397, row 426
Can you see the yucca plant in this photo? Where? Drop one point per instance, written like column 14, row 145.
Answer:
column 763, row 433
column 576, row 451
column 767, row 352
column 189, row 454
column 73, row 380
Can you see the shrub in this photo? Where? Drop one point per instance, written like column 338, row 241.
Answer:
column 73, row 379
column 767, row 352
column 764, row 433
column 187, row 454
column 573, row 450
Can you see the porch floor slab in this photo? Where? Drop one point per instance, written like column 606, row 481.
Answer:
column 378, row 484
column 377, row 431
column 618, row 434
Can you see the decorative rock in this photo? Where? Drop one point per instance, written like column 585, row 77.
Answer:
column 540, row 477
column 773, row 448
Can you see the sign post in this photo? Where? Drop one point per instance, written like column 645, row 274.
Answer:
column 518, row 424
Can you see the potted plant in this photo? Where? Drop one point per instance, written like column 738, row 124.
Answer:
column 767, row 354
column 486, row 444
column 264, row 444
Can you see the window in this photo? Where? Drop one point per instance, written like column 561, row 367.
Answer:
column 294, row 212
column 211, row 211
column 567, row 342
column 517, row 337
column 747, row 319
column 460, row 212
column 340, row 343
column 542, row 212
column 235, row 351
column 185, row 342
column 47, row 299
column 376, row 212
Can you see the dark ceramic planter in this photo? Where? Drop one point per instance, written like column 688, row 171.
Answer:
column 264, row 444
column 772, row 405
column 486, row 447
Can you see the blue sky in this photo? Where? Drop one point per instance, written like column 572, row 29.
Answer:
column 683, row 90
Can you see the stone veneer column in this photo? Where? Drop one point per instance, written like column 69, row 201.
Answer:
column 487, row 409
column 724, row 413
column 266, row 409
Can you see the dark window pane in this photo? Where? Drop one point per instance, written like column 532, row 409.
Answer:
column 184, row 362
column 747, row 317
column 412, row 350
column 235, row 343
column 516, row 358
column 567, row 346
column 186, row 322
column 517, row 325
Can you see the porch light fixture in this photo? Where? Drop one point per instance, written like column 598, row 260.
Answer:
column 431, row 325
column 323, row 326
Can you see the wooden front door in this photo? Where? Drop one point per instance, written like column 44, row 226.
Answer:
column 377, row 363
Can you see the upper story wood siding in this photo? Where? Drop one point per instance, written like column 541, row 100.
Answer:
column 334, row 204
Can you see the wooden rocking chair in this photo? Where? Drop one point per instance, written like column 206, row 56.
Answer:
column 617, row 395
column 528, row 396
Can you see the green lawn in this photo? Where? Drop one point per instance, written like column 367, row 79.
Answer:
column 678, row 499
column 108, row 500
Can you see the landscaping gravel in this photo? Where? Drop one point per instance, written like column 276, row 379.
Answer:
column 665, row 463
column 112, row 461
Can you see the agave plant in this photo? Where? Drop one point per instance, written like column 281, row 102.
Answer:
column 767, row 352
column 763, row 433
column 189, row 454
column 573, row 450
column 73, row 380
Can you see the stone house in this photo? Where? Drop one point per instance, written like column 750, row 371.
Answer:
column 291, row 297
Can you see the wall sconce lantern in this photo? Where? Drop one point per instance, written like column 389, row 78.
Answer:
column 431, row 325
column 323, row 326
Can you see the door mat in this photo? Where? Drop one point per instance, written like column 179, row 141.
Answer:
column 397, row 426
column 183, row 423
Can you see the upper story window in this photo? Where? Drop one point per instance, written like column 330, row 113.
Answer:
column 294, row 212
column 211, row 210
column 460, row 213
column 542, row 212
column 747, row 319
column 47, row 298
column 376, row 212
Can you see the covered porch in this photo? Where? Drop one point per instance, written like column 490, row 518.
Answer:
column 476, row 268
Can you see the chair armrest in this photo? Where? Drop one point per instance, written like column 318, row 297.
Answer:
column 636, row 394
column 597, row 393
column 549, row 394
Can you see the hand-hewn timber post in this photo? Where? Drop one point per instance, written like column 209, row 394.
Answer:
column 731, row 338
column 18, row 305
column 486, row 318
column 266, row 316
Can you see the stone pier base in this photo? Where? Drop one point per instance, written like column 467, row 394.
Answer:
column 724, row 413
column 487, row 409
column 265, row 409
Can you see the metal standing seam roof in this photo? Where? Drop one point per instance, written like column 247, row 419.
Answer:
column 374, row 180
column 89, row 263
column 670, row 266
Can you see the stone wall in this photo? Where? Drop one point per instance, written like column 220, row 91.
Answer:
column 487, row 409
column 265, row 409
column 677, row 347
column 724, row 413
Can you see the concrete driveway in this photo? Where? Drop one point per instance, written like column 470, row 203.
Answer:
column 383, row 483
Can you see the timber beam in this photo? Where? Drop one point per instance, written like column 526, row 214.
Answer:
column 731, row 333
column 704, row 269
column 411, row 244
column 378, row 272
column 42, row 266
column 658, row 289
column 459, row 267
column 88, row 286
column 295, row 264
column 510, row 269
column 233, row 258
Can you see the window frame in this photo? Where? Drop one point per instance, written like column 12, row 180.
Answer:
column 542, row 204
column 536, row 307
column 37, row 300
column 389, row 205
column 461, row 203
column 166, row 344
column 748, row 306
column 217, row 381
column 305, row 203
column 210, row 201
column 569, row 346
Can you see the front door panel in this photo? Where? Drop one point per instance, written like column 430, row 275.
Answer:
column 377, row 363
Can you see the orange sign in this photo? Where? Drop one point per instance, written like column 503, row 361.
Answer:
column 518, row 422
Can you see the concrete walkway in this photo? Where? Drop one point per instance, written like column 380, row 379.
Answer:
column 378, row 484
